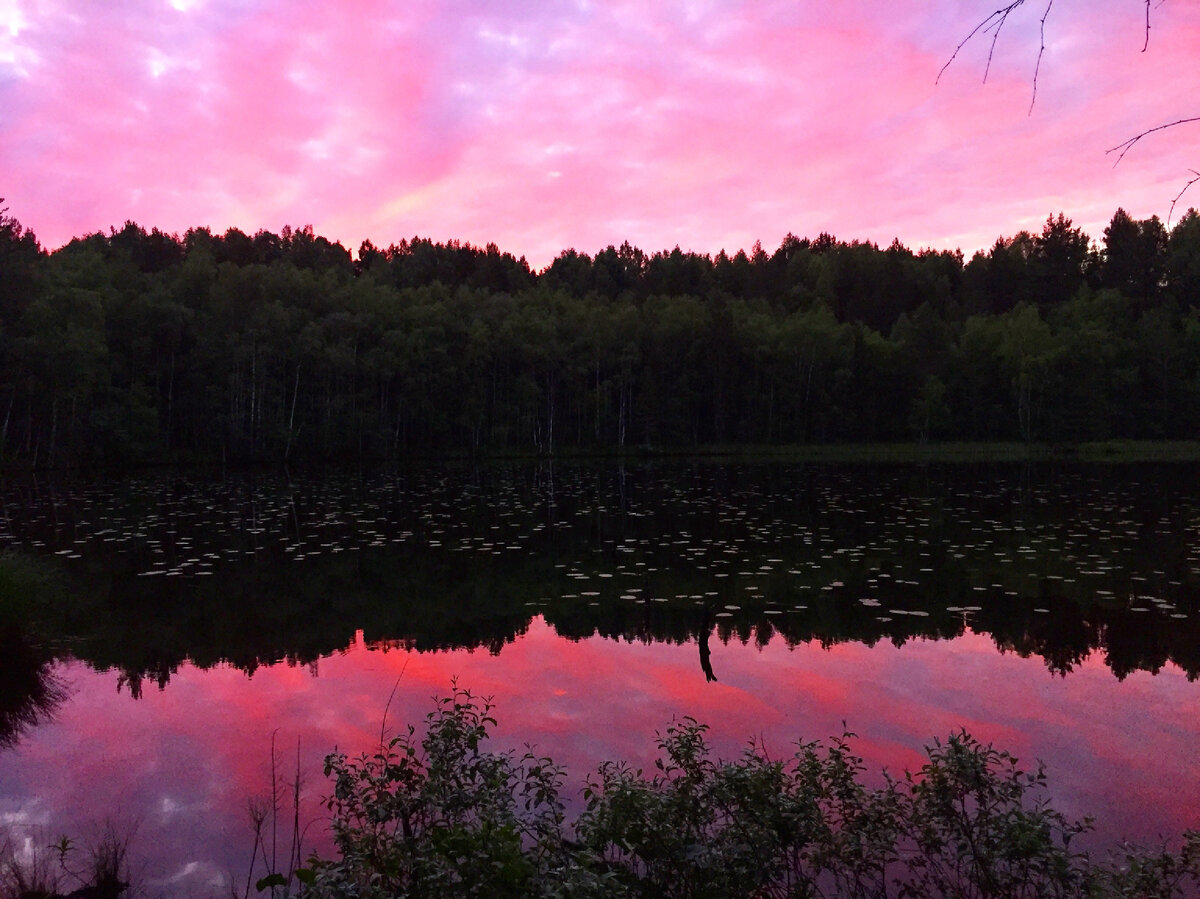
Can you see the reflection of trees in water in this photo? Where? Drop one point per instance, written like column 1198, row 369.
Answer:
column 964, row 532
column 268, row 615
column 705, row 651
column 30, row 691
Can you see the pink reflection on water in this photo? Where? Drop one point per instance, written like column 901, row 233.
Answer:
column 182, row 761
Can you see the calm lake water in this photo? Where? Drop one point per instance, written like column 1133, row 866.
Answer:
column 1052, row 609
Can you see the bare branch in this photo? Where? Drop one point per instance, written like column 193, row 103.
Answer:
column 995, row 29
column 1041, row 49
column 1181, row 193
column 1127, row 145
column 995, row 22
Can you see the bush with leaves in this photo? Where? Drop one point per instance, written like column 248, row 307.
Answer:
column 975, row 824
column 442, row 815
column 754, row 826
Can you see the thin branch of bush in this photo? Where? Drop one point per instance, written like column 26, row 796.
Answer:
column 261, row 809
column 277, row 879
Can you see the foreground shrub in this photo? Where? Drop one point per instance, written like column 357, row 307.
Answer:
column 442, row 815
column 754, row 826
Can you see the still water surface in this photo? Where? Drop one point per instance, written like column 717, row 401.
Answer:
column 1052, row 610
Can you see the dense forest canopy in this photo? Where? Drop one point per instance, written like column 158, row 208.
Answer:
column 141, row 346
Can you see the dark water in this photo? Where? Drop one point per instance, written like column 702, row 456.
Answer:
column 1054, row 610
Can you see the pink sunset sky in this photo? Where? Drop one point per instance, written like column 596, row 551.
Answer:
column 542, row 125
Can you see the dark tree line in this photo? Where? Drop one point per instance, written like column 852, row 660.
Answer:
column 142, row 346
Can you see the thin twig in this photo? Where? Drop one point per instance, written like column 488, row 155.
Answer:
column 258, row 815
column 294, row 860
column 995, row 20
column 391, row 696
column 995, row 29
column 995, row 23
column 1127, row 145
column 1146, row 43
column 274, row 809
column 1041, row 49
column 1181, row 193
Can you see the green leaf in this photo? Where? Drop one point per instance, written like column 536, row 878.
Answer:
column 271, row 880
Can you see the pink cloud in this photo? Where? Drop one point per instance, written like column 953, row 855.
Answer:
column 542, row 126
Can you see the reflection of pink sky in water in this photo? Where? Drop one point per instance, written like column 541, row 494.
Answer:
column 183, row 760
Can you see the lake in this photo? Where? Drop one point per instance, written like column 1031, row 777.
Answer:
column 1053, row 609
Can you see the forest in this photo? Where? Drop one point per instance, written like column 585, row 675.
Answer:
column 137, row 347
